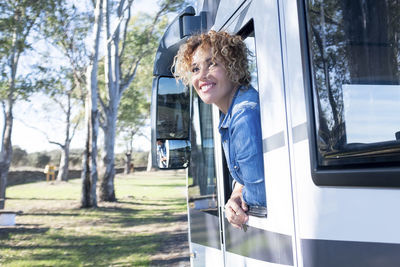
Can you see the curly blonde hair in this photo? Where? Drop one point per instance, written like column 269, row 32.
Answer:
column 229, row 49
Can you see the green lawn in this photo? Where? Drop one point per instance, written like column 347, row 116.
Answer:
column 54, row 231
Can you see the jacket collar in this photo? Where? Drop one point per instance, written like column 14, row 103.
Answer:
column 225, row 119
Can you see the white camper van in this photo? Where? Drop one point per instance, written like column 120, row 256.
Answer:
column 328, row 77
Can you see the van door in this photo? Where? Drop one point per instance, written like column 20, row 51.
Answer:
column 205, row 238
column 271, row 239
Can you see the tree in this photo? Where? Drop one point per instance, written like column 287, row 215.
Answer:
column 120, row 70
column 18, row 19
column 65, row 101
column 134, row 109
column 67, row 29
column 89, row 162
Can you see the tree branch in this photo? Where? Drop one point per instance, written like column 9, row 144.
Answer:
column 125, row 34
column 41, row 131
column 129, row 79
column 120, row 19
column 75, row 128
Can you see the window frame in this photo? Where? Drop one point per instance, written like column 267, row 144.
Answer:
column 245, row 31
column 355, row 175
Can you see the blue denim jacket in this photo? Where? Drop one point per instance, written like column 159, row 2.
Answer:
column 240, row 131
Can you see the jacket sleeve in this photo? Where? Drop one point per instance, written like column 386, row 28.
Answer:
column 248, row 155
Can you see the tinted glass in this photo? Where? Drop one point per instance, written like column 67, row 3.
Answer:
column 202, row 186
column 202, row 167
column 250, row 42
column 173, row 111
column 355, row 62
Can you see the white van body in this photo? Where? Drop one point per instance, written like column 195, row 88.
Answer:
column 336, row 215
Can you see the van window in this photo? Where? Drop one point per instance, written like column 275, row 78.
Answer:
column 354, row 50
column 202, row 177
column 247, row 33
column 251, row 45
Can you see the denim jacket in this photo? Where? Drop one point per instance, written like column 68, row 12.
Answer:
column 240, row 131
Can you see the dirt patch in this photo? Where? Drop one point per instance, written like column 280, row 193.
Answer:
column 174, row 250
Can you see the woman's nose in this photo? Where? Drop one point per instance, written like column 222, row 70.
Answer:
column 204, row 73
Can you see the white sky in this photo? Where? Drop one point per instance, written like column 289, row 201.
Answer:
column 32, row 114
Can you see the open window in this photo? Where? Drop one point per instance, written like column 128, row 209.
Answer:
column 354, row 91
column 248, row 35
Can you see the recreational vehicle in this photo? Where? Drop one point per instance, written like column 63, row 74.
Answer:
column 328, row 77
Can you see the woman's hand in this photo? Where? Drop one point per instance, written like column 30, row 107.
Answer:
column 235, row 208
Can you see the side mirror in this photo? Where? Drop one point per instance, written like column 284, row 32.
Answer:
column 171, row 124
column 173, row 154
column 173, row 110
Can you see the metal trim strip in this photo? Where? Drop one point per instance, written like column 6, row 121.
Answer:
column 300, row 132
column 332, row 253
column 273, row 142
column 259, row 244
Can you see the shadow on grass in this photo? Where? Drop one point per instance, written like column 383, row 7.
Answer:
column 125, row 216
column 6, row 232
column 161, row 185
column 85, row 250
column 41, row 199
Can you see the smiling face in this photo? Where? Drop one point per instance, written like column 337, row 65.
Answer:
column 210, row 79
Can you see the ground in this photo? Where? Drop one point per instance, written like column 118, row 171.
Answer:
column 146, row 227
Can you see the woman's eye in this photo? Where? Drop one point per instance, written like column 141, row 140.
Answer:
column 195, row 69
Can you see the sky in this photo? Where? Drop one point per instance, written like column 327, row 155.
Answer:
column 41, row 115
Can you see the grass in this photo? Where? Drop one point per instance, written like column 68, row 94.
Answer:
column 54, row 231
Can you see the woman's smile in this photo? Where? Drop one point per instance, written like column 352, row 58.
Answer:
column 206, row 86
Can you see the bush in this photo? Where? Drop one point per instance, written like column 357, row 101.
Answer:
column 138, row 159
column 19, row 156
column 39, row 159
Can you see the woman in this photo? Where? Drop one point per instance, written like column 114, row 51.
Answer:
column 216, row 65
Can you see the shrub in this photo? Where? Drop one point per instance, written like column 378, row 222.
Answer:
column 39, row 159
column 19, row 156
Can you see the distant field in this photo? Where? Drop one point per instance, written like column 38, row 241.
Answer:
column 146, row 227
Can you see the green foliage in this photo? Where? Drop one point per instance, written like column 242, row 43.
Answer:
column 66, row 29
column 139, row 159
column 39, row 159
column 19, row 157
column 18, row 20
column 134, row 110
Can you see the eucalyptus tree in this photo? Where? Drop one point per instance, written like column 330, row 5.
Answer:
column 125, row 50
column 66, row 29
column 89, row 174
column 134, row 110
column 68, row 99
column 19, row 19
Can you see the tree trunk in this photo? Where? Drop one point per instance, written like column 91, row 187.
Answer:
column 112, row 76
column 89, row 169
column 64, row 161
column 87, row 200
column 64, row 164
column 128, row 160
column 107, row 192
column 6, row 153
column 6, row 145
column 149, row 162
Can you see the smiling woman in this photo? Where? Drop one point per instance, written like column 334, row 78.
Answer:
column 216, row 65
